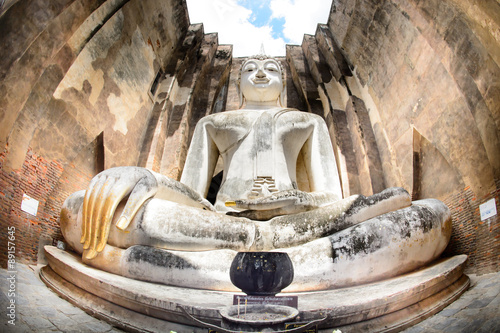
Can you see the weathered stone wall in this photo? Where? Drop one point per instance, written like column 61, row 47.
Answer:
column 410, row 92
column 428, row 73
column 75, row 81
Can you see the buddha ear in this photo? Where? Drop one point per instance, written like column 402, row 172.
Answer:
column 240, row 95
column 282, row 97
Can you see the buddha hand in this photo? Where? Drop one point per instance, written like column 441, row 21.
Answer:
column 279, row 203
column 105, row 192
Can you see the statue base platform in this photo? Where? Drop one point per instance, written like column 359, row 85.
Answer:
column 385, row 306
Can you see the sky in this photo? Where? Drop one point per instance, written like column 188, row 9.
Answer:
column 248, row 24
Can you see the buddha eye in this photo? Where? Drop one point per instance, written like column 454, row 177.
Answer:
column 271, row 67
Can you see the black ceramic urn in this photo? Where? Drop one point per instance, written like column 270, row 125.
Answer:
column 261, row 273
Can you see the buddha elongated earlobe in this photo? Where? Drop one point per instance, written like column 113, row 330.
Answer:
column 282, row 97
column 240, row 95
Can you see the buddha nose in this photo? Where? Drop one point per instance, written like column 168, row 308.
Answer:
column 260, row 73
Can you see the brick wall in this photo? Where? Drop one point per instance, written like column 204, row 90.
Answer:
column 49, row 183
column 480, row 240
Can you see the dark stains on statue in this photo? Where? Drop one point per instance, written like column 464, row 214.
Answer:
column 363, row 244
column 363, row 202
column 145, row 254
column 357, row 241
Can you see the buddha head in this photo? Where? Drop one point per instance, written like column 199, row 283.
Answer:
column 261, row 79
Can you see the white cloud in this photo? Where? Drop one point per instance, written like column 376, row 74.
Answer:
column 301, row 16
column 231, row 22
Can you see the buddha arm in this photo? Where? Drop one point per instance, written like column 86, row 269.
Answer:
column 201, row 159
column 321, row 166
column 178, row 192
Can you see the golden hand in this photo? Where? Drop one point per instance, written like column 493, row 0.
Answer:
column 105, row 192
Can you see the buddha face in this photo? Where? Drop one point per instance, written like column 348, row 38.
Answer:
column 261, row 80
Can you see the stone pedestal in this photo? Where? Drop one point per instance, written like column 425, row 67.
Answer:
column 390, row 305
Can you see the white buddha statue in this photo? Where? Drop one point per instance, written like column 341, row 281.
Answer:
column 130, row 213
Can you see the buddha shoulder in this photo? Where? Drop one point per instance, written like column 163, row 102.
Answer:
column 226, row 119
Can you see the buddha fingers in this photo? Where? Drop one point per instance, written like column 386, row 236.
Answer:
column 99, row 218
column 99, row 205
column 101, row 201
column 109, row 209
column 92, row 193
column 85, row 219
column 142, row 191
column 96, row 217
column 90, row 213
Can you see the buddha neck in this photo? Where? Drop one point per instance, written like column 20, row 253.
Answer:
column 265, row 105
